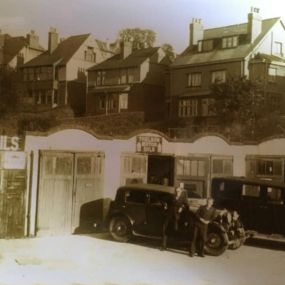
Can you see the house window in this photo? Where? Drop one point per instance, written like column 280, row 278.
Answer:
column 123, row 76
column 218, row 76
column 133, row 75
column 191, row 167
column 123, row 101
column 208, row 45
column 100, row 78
column 265, row 167
column 207, row 107
column 272, row 74
column 89, row 54
column 194, row 79
column 269, row 167
column 229, row 42
column 278, row 48
column 188, row 108
column 222, row 166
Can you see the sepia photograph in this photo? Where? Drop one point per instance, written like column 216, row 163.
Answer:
column 142, row 142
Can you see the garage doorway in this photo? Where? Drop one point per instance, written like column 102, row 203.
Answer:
column 68, row 181
column 160, row 170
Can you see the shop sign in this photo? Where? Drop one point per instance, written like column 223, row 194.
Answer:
column 11, row 143
column 149, row 144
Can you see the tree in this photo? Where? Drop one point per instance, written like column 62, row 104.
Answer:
column 141, row 38
column 169, row 51
column 243, row 105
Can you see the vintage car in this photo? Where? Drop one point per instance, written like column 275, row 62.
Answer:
column 260, row 203
column 140, row 210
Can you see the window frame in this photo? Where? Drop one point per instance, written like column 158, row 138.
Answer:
column 194, row 79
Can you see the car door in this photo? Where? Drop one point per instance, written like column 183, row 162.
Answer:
column 135, row 208
column 275, row 210
column 156, row 210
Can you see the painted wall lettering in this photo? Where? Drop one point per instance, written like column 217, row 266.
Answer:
column 9, row 143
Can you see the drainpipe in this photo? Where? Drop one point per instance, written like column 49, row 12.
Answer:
column 29, row 193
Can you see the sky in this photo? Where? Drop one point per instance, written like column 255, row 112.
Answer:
column 170, row 19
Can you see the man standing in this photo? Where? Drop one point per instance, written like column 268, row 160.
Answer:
column 180, row 203
column 204, row 215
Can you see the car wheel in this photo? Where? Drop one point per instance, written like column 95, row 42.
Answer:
column 120, row 229
column 216, row 243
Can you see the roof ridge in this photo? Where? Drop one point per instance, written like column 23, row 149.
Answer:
column 240, row 24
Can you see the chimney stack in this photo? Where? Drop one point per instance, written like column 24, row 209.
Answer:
column 33, row 39
column 2, row 43
column 196, row 32
column 254, row 26
column 126, row 48
column 52, row 40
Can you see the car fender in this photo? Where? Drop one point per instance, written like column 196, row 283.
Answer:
column 216, row 226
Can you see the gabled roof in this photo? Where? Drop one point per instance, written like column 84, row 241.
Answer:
column 13, row 45
column 189, row 57
column 62, row 54
column 136, row 58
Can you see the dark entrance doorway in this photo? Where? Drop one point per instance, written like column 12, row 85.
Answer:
column 160, row 170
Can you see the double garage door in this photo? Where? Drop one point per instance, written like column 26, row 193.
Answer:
column 68, row 181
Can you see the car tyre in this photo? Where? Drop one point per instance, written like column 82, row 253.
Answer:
column 120, row 229
column 216, row 243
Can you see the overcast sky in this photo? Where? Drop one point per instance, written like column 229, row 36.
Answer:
column 104, row 18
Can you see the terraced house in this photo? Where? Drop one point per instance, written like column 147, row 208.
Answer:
column 130, row 81
column 254, row 49
column 57, row 77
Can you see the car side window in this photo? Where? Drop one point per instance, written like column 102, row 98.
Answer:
column 251, row 190
column 274, row 195
column 137, row 197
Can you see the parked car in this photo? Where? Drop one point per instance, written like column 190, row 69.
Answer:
column 140, row 210
column 260, row 203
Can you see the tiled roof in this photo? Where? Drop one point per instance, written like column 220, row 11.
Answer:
column 62, row 54
column 134, row 59
column 13, row 46
column 215, row 55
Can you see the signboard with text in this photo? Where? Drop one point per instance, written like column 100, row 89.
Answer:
column 11, row 143
column 149, row 144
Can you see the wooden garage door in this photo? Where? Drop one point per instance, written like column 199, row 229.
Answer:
column 68, row 182
column 89, row 182
column 55, row 193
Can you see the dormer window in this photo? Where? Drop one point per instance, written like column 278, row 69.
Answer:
column 205, row 45
column 229, row 42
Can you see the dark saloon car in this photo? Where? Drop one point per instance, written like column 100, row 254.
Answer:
column 260, row 203
column 140, row 210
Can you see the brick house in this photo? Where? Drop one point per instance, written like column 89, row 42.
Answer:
column 57, row 77
column 254, row 49
column 130, row 81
